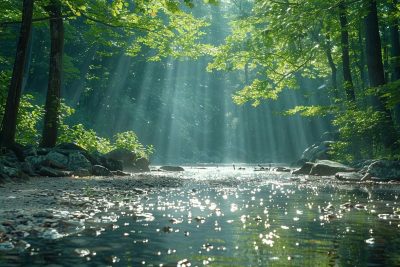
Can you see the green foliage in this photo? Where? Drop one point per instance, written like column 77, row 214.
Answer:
column 389, row 92
column 310, row 111
column 130, row 141
column 89, row 140
column 360, row 131
column 85, row 138
column 29, row 117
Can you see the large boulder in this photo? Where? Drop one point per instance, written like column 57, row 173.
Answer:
column 76, row 160
column 35, row 161
column 328, row 167
column 305, row 169
column 384, row 169
column 12, row 172
column 142, row 164
column 126, row 156
column 67, row 148
column 56, row 160
column 317, row 151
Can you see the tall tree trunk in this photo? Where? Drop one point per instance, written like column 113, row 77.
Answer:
column 361, row 59
column 376, row 72
column 52, row 107
column 348, row 81
column 9, row 122
column 327, row 45
column 385, row 54
column 395, row 43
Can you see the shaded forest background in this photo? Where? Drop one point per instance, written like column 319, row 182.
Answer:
column 164, row 73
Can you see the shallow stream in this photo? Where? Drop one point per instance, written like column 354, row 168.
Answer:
column 218, row 216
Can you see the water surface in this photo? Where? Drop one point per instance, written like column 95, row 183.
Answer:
column 225, row 217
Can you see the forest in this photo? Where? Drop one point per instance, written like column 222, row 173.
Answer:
column 192, row 133
column 98, row 73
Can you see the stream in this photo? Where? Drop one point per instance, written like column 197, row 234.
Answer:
column 218, row 216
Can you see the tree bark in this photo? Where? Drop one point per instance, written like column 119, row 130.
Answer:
column 361, row 59
column 395, row 43
column 373, row 46
column 332, row 65
column 376, row 72
column 9, row 122
column 348, row 81
column 53, row 99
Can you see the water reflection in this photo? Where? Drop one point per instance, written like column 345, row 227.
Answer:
column 220, row 218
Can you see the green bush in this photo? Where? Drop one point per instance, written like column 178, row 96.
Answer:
column 130, row 141
column 28, row 131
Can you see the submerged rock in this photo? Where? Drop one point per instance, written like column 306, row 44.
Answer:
column 328, row 167
column 305, row 169
column 172, row 168
column 349, row 176
column 282, row 169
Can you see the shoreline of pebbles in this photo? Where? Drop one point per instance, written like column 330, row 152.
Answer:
column 53, row 208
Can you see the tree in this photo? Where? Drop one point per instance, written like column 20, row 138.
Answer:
column 9, row 122
column 348, row 81
column 53, row 99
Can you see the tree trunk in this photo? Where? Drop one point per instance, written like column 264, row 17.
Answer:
column 385, row 54
column 348, row 81
column 376, row 72
column 53, row 99
column 332, row 65
column 395, row 43
column 373, row 46
column 9, row 122
column 361, row 59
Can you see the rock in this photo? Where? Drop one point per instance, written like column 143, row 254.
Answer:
column 81, row 172
column 47, row 171
column 70, row 146
column 35, row 161
column 43, row 151
column 349, row 176
column 317, row 151
column 12, row 172
column 126, row 156
column 111, row 164
column 56, row 160
column 328, row 167
column 172, row 168
column 77, row 160
column 29, row 151
column 282, row 169
column 305, row 169
column 142, row 164
column 385, row 169
column 99, row 170
column 6, row 246
column 27, row 168
column 120, row 173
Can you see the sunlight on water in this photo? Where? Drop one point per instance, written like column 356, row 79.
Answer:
column 223, row 217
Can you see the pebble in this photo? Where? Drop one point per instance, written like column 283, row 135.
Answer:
column 5, row 246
